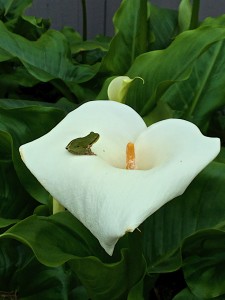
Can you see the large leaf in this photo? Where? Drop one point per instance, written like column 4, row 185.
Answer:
column 160, row 69
column 14, row 201
column 7, row 222
column 217, row 128
column 77, row 44
column 204, row 260
column 18, row 265
column 202, row 94
column 130, row 22
column 21, row 123
column 200, row 207
column 29, row 27
column 13, row 8
column 47, row 58
column 13, row 76
column 61, row 238
column 163, row 26
column 11, row 13
column 187, row 295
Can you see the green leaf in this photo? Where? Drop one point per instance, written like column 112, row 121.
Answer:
column 20, row 124
column 65, row 105
column 12, row 77
column 203, row 263
column 203, row 93
column 218, row 21
column 130, row 23
column 11, row 104
column 18, row 263
column 73, row 37
column 103, row 94
column 221, row 156
column 83, row 93
column 160, row 69
column 79, row 293
column 77, row 45
column 186, row 295
column 47, row 58
column 14, row 8
column 136, row 293
column 89, row 52
column 15, row 203
column 7, row 222
column 29, row 27
column 47, row 283
column 163, row 26
column 11, row 13
column 61, row 238
column 103, row 281
column 200, row 207
column 217, row 128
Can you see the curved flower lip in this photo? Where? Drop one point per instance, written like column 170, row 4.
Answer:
column 108, row 199
column 118, row 87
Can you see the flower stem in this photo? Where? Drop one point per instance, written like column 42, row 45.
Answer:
column 84, row 15
column 84, row 12
column 57, row 207
column 194, row 16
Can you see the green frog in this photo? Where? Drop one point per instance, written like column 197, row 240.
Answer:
column 82, row 145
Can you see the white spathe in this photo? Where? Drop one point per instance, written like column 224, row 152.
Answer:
column 108, row 199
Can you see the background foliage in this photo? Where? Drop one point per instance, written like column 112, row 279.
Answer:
column 45, row 73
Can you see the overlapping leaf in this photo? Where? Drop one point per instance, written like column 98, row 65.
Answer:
column 19, row 265
column 163, row 25
column 200, row 207
column 160, row 69
column 14, row 8
column 202, row 94
column 46, row 59
column 20, row 123
column 131, row 37
column 61, row 238
column 203, row 256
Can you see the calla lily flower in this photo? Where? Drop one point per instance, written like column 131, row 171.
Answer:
column 119, row 86
column 135, row 170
